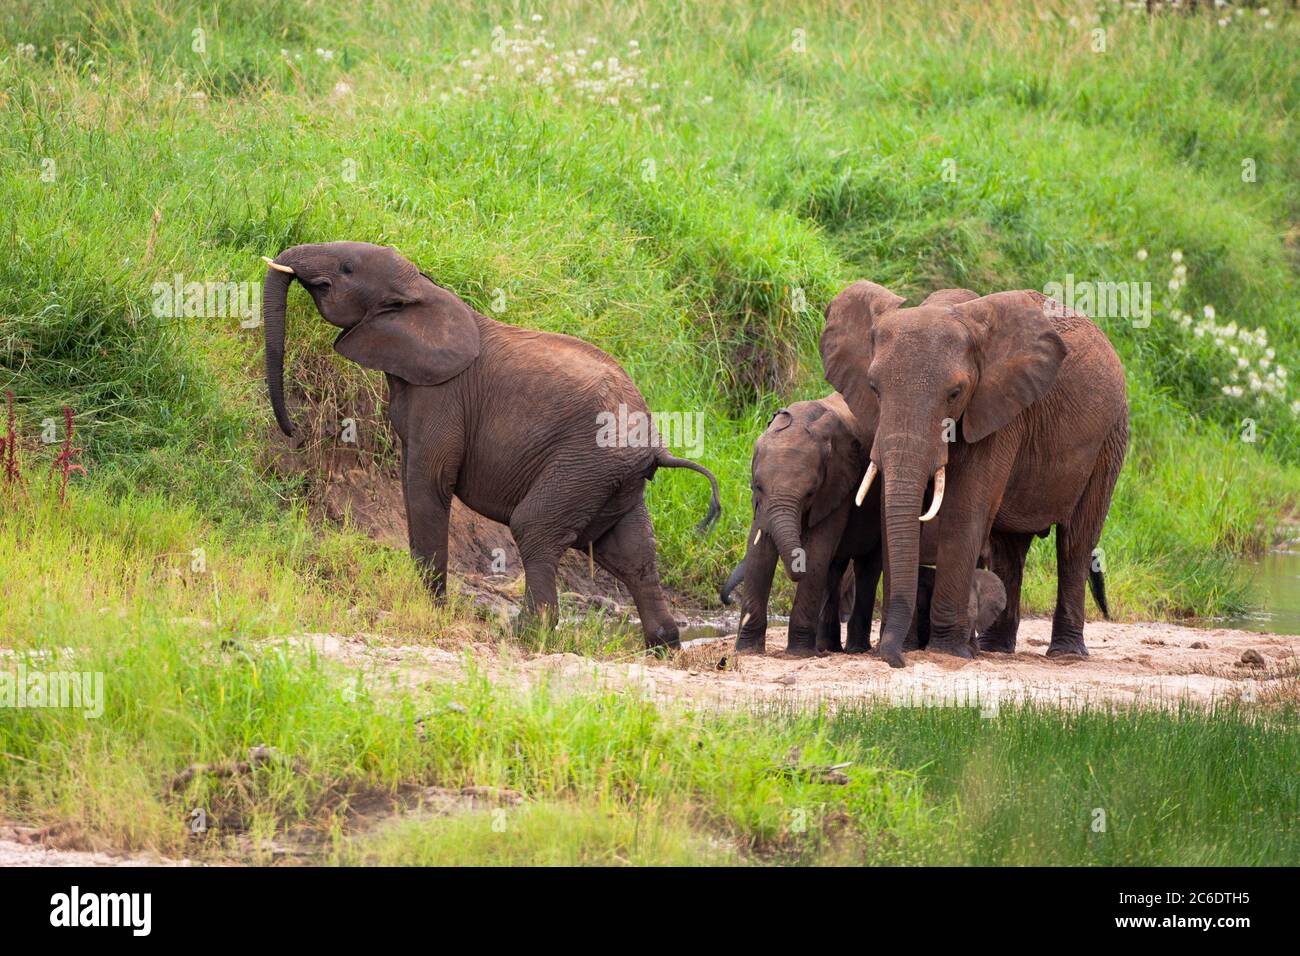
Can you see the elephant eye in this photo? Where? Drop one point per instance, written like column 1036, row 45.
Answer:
column 874, row 391
column 953, row 393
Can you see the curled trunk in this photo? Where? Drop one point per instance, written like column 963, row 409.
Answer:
column 275, row 293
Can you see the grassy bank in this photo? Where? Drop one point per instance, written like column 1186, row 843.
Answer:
column 730, row 170
column 197, row 672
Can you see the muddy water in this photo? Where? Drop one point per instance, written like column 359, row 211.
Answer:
column 1276, row 590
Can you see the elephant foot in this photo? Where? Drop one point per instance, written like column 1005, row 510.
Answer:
column 857, row 647
column 663, row 638
column 751, row 645
column 960, row 648
column 829, row 644
column 1066, row 646
column 911, row 643
column 802, row 648
column 997, row 643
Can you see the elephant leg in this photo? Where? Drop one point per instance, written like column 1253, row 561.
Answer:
column 801, row 638
column 545, row 525
column 828, row 621
column 428, row 510
column 1007, row 553
column 1076, row 540
column 627, row 551
column 760, row 566
column 959, row 549
column 866, row 575
column 919, row 636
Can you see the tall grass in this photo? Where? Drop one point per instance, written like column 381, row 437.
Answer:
column 680, row 232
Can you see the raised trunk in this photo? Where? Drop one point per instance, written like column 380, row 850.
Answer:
column 902, row 504
column 275, row 292
column 783, row 521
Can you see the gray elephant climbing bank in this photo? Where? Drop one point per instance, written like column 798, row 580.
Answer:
column 1016, row 408
column 504, row 418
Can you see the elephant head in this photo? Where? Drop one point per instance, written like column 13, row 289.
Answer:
column 393, row 317
column 916, row 373
column 805, row 466
column 988, row 598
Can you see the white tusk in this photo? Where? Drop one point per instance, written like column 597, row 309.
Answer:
column 863, row 488
column 276, row 266
column 758, row 534
column 938, row 496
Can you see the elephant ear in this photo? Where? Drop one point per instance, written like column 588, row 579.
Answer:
column 846, row 347
column 425, row 342
column 1020, row 355
column 842, row 466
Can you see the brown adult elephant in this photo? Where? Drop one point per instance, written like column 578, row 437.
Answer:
column 1016, row 407
column 513, row 422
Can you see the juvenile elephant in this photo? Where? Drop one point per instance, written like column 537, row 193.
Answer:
column 804, row 470
column 988, row 598
column 508, row 420
column 1039, row 395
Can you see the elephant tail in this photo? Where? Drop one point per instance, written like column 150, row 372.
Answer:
column 1097, row 581
column 733, row 579
column 715, row 506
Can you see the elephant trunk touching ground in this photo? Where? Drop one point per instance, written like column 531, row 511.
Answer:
column 903, row 495
column 1019, row 405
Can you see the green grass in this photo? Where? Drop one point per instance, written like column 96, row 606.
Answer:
column 773, row 171
column 678, row 232
column 197, row 670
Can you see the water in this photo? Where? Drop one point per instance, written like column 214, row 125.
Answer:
column 1276, row 589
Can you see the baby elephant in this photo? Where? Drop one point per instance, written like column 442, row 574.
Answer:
column 805, row 469
column 988, row 598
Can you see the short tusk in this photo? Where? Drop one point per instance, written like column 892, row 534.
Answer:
column 276, row 266
column 863, row 488
column 758, row 534
column 938, row 496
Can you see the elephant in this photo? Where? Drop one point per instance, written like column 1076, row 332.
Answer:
column 804, row 469
column 507, row 419
column 1016, row 407
column 785, row 457
column 987, row 599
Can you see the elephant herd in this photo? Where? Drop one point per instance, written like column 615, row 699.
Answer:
column 959, row 430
